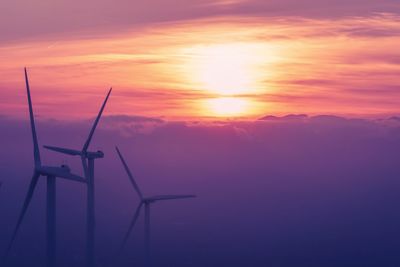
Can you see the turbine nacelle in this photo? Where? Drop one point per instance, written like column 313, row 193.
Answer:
column 87, row 154
column 66, row 168
column 95, row 155
column 84, row 153
column 61, row 172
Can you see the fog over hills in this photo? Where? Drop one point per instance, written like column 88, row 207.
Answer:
column 288, row 191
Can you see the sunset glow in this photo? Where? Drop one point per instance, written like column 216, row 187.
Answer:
column 227, row 69
column 272, row 127
column 228, row 106
column 238, row 67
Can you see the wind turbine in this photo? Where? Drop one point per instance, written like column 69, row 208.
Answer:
column 87, row 158
column 50, row 173
column 146, row 202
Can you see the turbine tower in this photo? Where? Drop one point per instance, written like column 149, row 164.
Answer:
column 146, row 202
column 50, row 173
column 88, row 158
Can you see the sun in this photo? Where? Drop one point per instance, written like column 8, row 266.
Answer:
column 226, row 69
column 229, row 73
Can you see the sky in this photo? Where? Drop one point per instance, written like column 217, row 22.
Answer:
column 197, row 60
column 280, row 115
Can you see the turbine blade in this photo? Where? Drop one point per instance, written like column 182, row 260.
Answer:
column 73, row 177
column 36, row 153
column 85, row 167
column 169, row 197
column 61, row 173
column 128, row 171
column 87, row 143
column 133, row 222
column 28, row 199
column 64, row 150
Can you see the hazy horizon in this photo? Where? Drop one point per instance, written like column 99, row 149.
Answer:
column 202, row 59
column 334, row 206
column 281, row 116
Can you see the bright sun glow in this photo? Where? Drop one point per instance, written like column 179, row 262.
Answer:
column 228, row 106
column 228, row 72
column 227, row 69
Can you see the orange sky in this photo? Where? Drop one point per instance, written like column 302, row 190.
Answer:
column 226, row 66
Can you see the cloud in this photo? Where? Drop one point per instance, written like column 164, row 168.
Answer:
column 291, row 63
column 38, row 18
column 131, row 119
column 132, row 124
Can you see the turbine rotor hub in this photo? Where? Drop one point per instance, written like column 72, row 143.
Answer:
column 94, row 155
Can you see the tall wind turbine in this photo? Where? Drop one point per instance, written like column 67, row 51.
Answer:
column 50, row 173
column 87, row 158
column 146, row 202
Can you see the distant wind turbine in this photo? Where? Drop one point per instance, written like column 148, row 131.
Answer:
column 87, row 158
column 50, row 173
column 146, row 201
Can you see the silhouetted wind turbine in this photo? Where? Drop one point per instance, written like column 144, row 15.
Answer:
column 51, row 173
column 87, row 158
column 146, row 201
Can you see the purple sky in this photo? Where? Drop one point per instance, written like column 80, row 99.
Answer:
column 201, row 94
column 202, row 59
column 20, row 19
